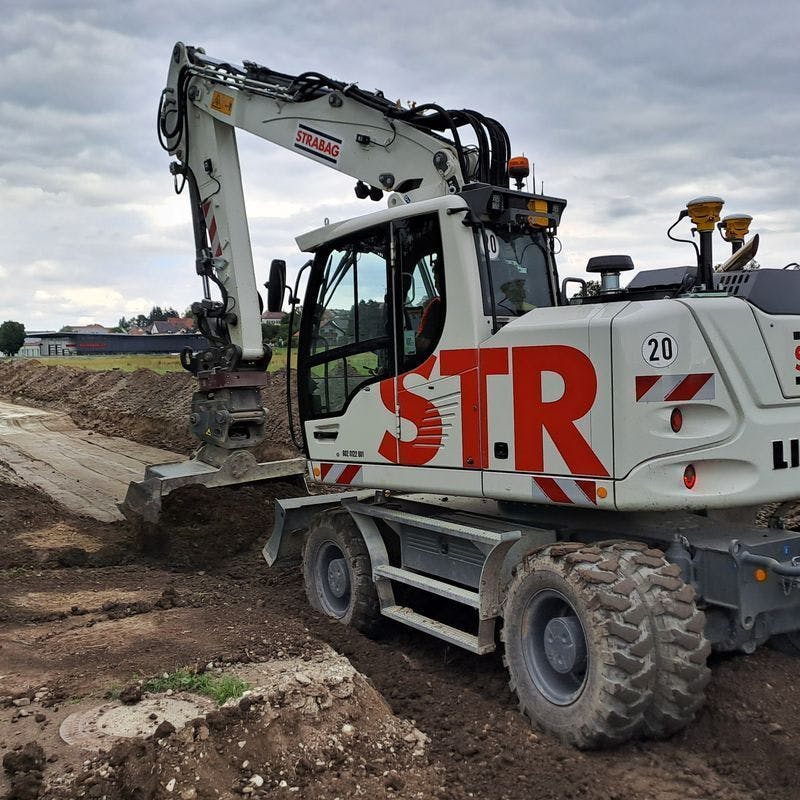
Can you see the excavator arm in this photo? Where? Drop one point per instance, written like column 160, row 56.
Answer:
column 359, row 133
column 412, row 153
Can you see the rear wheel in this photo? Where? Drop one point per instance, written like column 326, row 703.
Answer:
column 578, row 646
column 681, row 649
column 337, row 572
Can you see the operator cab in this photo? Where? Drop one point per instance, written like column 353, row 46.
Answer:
column 378, row 298
column 514, row 237
column 374, row 306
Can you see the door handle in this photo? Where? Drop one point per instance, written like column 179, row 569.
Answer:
column 327, row 435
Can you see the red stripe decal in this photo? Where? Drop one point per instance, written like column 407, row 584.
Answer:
column 552, row 490
column 324, row 469
column 688, row 387
column 348, row 473
column 212, row 229
column 589, row 488
column 644, row 383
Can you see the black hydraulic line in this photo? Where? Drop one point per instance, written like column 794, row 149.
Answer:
column 312, row 85
column 484, row 149
column 416, row 117
column 180, row 111
column 198, row 218
column 503, row 151
column 201, row 243
column 498, row 151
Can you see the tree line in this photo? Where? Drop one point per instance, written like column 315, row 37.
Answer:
column 157, row 314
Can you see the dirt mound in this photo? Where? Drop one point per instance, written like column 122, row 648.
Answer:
column 143, row 406
column 24, row 768
column 312, row 728
column 198, row 529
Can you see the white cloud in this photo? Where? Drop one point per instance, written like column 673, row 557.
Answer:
column 628, row 110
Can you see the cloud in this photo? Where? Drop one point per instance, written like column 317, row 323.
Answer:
column 627, row 110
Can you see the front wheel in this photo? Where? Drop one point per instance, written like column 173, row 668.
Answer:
column 579, row 647
column 337, row 572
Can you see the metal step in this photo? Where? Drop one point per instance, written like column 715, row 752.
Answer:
column 438, row 629
column 456, row 593
column 435, row 524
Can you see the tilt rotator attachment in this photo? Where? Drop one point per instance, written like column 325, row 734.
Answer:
column 229, row 420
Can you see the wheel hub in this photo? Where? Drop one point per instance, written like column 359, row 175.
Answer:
column 564, row 644
column 555, row 648
column 338, row 577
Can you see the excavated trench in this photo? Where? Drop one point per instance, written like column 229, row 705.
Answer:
column 83, row 612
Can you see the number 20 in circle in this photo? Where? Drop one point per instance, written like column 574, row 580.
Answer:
column 659, row 350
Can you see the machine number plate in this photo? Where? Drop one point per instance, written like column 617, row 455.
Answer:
column 659, row 350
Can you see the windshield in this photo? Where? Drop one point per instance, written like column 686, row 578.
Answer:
column 520, row 277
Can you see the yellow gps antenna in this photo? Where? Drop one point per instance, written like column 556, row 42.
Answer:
column 704, row 213
column 734, row 228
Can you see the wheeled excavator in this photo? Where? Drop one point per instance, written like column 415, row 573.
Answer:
column 575, row 475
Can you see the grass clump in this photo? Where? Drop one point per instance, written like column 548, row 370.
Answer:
column 218, row 687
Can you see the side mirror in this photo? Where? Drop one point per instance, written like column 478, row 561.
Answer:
column 276, row 285
column 580, row 281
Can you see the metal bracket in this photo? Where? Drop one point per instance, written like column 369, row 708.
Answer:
column 786, row 569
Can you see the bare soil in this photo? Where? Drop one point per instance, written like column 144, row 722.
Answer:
column 84, row 611
column 143, row 406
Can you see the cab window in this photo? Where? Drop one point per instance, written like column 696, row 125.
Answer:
column 362, row 312
column 421, row 271
column 349, row 331
column 520, row 274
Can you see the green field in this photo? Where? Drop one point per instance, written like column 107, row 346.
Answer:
column 157, row 363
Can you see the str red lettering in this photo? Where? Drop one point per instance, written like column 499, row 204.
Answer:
column 416, row 410
column 533, row 416
column 473, row 368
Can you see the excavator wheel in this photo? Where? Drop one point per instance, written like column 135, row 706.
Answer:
column 337, row 572
column 681, row 649
column 579, row 646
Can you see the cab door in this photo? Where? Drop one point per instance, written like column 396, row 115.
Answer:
column 428, row 397
column 347, row 347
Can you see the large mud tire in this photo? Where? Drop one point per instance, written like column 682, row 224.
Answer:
column 338, row 574
column 681, row 649
column 603, row 703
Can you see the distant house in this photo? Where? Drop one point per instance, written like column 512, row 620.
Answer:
column 273, row 317
column 93, row 328
column 31, row 347
column 172, row 325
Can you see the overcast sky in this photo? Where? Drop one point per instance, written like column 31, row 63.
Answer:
column 628, row 110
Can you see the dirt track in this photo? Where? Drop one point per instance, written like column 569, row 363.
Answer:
column 83, row 611
column 86, row 472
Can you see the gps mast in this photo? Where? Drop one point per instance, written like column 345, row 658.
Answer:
column 560, row 468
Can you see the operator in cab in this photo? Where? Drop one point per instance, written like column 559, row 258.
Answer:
column 432, row 320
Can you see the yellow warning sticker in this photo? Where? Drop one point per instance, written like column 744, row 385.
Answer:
column 222, row 103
